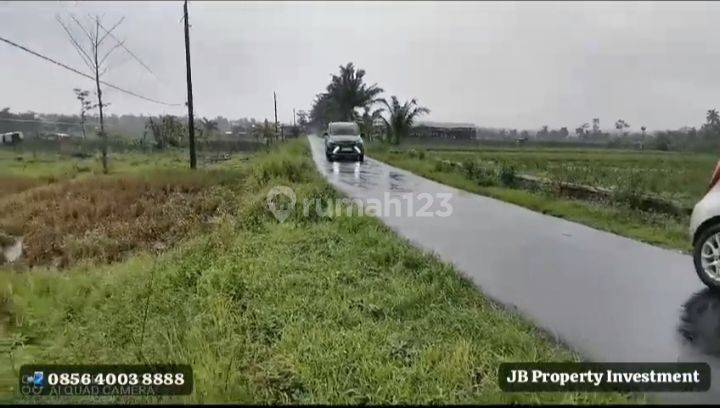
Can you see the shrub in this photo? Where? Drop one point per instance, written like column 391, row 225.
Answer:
column 470, row 168
column 443, row 166
column 507, row 176
column 284, row 166
column 629, row 191
column 486, row 177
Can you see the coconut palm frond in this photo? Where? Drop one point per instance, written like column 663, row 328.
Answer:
column 401, row 117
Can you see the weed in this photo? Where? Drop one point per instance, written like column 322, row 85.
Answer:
column 506, row 175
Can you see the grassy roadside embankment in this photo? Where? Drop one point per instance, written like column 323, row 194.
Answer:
column 492, row 173
column 312, row 310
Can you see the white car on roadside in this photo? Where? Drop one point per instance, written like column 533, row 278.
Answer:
column 705, row 233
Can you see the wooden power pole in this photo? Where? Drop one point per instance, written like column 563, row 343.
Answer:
column 293, row 117
column 276, row 122
column 191, row 119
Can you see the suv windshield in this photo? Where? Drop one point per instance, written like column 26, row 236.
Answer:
column 344, row 129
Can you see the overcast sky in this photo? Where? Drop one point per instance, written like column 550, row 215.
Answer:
column 516, row 65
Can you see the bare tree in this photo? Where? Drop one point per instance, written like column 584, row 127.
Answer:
column 94, row 52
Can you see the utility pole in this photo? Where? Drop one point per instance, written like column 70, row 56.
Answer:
column 293, row 117
column 191, row 119
column 276, row 121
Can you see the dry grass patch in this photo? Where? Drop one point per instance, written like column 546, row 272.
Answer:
column 102, row 219
column 11, row 184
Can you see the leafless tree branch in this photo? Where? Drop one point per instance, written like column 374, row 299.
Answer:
column 83, row 55
column 87, row 33
column 135, row 57
column 109, row 32
column 110, row 51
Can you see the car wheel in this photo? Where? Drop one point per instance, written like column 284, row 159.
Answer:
column 706, row 255
column 329, row 157
column 361, row 158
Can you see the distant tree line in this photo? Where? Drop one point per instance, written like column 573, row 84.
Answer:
column 163, row 130
column 703, row 139
column 396, row 119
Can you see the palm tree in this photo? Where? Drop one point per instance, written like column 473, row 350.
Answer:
column 712, row 117
column 206, row 129
column 324, row 110
column 367, row 121
column 348, row 91
column 209, row 125
column 401, row 117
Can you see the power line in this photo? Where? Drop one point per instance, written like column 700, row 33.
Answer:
column 94, row 122
column 83, row 55
column 132, row 54
column 86, row 75
column 40, row 121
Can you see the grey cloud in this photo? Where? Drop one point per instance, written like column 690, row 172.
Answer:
column 518, row 65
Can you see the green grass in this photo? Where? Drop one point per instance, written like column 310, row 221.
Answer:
column 654, row 228
column 679, row 176
column 312, row 310
column 57, row 166
column 20, row 171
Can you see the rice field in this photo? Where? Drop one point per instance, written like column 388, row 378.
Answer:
column 682, row 177
column 674, row 180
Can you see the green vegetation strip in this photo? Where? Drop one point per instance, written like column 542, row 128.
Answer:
column 312, row 310
column 494, row 176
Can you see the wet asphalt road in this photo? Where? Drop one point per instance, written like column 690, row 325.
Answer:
column 610, row 298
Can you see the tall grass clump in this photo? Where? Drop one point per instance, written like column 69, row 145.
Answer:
column 507, row 176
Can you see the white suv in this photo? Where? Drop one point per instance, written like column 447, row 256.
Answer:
column 343, row 139
column 705, row 234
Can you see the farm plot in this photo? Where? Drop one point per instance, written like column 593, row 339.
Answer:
column 643, row 195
